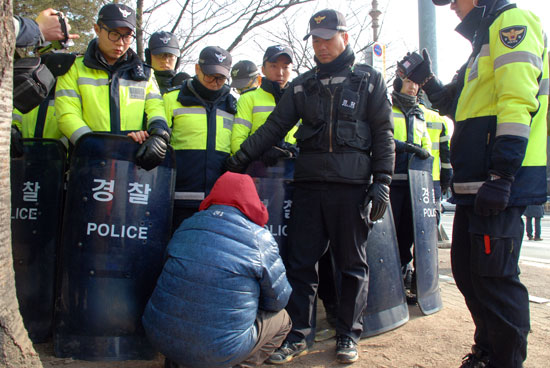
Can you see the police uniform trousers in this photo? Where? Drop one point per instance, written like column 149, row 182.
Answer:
column 400, row 198
column 323, row 212
column 484, row 257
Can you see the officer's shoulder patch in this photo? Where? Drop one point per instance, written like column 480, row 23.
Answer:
column 513, row 36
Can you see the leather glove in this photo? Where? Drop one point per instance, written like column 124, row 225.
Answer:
column 153, row 151
column 445, row 180
column 493, row 195
column 238, row 162
column 378, row 195
column 416, row 67
column 16, row 145
column 272, row 155
column 422, row 153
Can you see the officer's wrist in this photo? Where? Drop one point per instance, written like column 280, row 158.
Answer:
column 382, row 178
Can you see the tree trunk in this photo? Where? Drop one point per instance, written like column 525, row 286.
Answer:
column 16, row 349
column 139, row 29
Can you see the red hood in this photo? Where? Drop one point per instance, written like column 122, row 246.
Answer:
column 239, row 191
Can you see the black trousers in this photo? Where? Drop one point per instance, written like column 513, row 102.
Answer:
column 484, row 257
column 400, row 198
column 323, row 212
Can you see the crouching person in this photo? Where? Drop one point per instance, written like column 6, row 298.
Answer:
column 219, row 300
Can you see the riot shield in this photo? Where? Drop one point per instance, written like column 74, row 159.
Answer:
column 274, row 185
column 115, row 230
column 425, row 234
column 37, row 200
column 386, row 306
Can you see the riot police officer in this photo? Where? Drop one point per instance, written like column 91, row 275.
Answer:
column 109, row 89
column 201, row 114
column 498, row 154
column 411, row 137
column 345, row 164
column 254, row 107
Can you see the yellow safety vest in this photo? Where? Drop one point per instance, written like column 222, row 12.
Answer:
column 27, row 123
column 438, row 129
column 253, row 108
column 420, row 137
column 89, row 100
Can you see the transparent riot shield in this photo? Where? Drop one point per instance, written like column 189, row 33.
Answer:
column 425, row 234
column 386, row 306
column 116, row 226
column 37, row 201
column 274, row 185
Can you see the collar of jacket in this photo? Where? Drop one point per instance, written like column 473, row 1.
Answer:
column 189, row 96
column 407, row 104
column 273, row 88
column 344, row 60
column 472, row 21
column 94, row 59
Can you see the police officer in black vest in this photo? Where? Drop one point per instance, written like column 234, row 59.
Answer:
column 344, row 167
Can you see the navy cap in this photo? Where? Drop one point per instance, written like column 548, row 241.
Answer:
column 215, row 60
column 117, row 15
column 273, row 52
column 164, row 42
column 243, row 73
column 326, row 23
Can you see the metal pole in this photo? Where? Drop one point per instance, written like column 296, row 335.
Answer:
column 427, row 30
column 375, row 13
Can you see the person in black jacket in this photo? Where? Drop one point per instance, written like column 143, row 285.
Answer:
column 344, row 168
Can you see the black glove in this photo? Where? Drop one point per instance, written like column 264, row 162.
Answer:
column 238, row 162
column 445, row 180
column 16, row 146
column 378, row 195
column 272, row 155
column 416, row 68
column 493, row 196
column 153, row 151
column 422, row 153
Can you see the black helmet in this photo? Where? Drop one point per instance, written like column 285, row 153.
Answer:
column 441, row 2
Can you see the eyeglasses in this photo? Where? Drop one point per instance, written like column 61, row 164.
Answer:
column 114, row 36
column 209, row 78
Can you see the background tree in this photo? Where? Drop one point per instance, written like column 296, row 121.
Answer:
column 198, row 23
column 295, row 25
column 16, row 349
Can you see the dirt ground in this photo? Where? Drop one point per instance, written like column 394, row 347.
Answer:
column 438, row 340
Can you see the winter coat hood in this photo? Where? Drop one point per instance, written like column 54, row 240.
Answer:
column 239, row 191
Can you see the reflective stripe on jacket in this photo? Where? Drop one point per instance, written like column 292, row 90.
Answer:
column 501, row 111
column 438, row 129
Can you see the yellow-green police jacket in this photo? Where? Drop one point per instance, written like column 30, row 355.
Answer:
column 91, row 97
column 438, row 129
column 501, row 110
column 201, row 138
column 407, row 128
column 40, row 122
column 253, row 108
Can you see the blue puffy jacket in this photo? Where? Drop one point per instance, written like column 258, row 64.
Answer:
column 221, row 268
